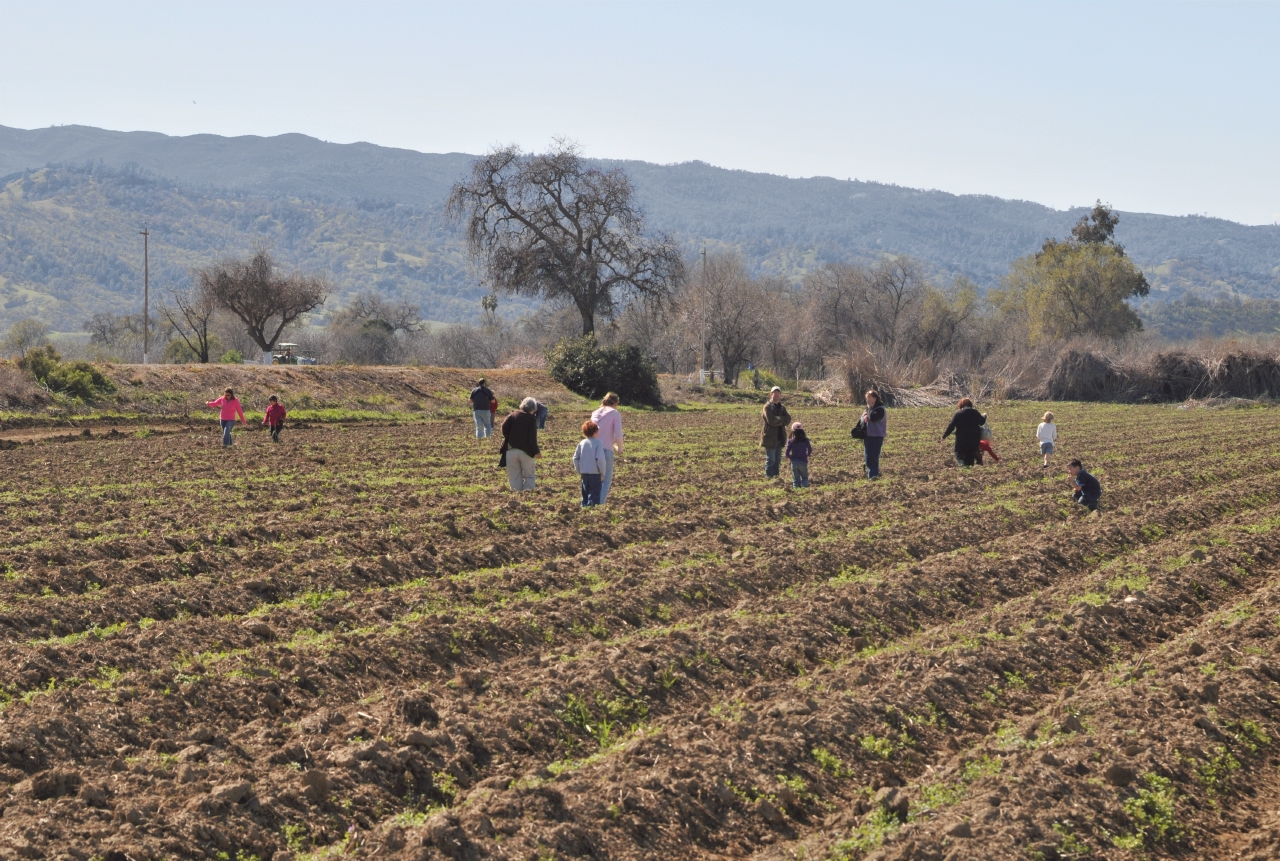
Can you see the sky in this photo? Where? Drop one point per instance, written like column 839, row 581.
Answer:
column 1168, row 107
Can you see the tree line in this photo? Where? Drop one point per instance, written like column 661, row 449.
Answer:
column 552, row 227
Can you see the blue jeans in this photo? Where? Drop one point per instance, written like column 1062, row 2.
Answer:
column 772, row 462
column 590, row 489
column 606, row 480
column 227, row 424
column 871, row 455
column 541, row 415
column 484, row 423
column 799, row 473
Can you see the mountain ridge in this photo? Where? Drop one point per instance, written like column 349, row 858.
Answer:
column 392, row 198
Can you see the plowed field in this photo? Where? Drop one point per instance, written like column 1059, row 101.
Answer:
column 359, row 643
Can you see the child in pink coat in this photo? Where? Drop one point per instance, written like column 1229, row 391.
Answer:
column 229, row 408
column 274, row 418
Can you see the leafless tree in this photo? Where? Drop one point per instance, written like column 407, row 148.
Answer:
column 402, row 316
column 897, row 288
column 106, row 330
column 731, row 308
column 265, row 300
column 190, row 311
column 548, row 225
column 837, row 303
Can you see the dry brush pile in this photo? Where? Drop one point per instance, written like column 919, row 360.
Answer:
column 1075, row 372
column 356, row 643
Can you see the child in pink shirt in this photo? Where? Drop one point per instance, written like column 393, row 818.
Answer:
column 229, row 408
column 274, row 418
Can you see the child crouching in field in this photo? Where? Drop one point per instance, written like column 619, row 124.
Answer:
column 590, row 463
column 274, row 418
column 1047, row 435
column 1085, row 489
column 798, row 451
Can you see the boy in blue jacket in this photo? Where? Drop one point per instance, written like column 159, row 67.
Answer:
column 589, row 462
column 1085, row 488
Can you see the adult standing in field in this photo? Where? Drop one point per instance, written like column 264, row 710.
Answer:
column 520, row 443
column 876, row 423
column 966, row 424
column 481, row 397
column 228, row 409
column 609, row 421
column 773, row 437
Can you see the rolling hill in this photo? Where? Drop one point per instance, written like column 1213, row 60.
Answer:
column 72, row 199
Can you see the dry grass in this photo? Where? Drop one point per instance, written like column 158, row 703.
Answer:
column 1077, row 371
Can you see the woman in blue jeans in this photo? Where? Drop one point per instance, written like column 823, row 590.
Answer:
column 875, row 420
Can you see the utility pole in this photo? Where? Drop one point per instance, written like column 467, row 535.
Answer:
column 146, row 294
column 702, row 320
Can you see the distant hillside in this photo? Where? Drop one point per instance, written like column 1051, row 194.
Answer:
column 370, row 217
column 69, row 244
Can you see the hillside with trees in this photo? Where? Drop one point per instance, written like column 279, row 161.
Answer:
column 370, row 218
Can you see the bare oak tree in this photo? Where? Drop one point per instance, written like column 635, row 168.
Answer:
column 265, row 300
column 549, row 225
column 734, row 309
column 190, row 311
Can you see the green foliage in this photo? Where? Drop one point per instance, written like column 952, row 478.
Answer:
column 583, row 366
column 866, row 836
column 1068, row 290
column 1154, row 813
column 77, row 379
column 830, row 763
column 25, row 335
column 178, row 352
column 1194, row 316
column 232, row 357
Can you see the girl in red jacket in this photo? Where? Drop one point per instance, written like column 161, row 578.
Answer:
column 274, row 418
column 228, row 408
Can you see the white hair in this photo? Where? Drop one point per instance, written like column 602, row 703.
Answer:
column 528, row 405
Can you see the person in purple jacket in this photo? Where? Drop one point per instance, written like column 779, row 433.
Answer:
column 798, row 451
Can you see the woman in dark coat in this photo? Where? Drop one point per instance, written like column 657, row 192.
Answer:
column 967, row 424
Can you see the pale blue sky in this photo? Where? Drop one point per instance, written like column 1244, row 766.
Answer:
column 1170, row 107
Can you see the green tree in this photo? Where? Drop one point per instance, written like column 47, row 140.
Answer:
column 583, row 366
column 26, row 335
column 1079, row 286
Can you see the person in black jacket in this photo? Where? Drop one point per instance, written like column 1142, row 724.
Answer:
column 480, row 398
column 1085, row 489
column 520, row 430
column 773, row 436
column 967, row 425
column 875, row 421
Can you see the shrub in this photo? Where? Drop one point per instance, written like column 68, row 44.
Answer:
column 77, row 379
column 584, row 367
column 232, row 357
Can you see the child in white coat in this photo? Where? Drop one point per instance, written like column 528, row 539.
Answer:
column 1047, row 435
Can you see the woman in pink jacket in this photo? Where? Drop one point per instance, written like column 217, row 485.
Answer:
column 229, row 408
column 609, row 420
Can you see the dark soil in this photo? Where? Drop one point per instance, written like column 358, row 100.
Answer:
column 358, row 642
